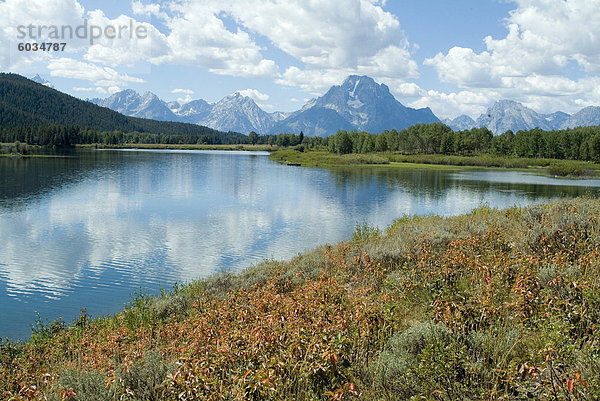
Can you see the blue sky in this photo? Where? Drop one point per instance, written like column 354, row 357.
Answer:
column 456, row 57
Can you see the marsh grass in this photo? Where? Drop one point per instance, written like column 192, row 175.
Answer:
column 321, row 158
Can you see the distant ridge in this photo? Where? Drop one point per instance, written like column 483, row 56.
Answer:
column 507, row 115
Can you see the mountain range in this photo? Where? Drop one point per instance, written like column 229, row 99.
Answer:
column 358, row 103
column 507, row 115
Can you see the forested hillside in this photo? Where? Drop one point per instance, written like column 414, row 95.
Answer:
column 24, row 103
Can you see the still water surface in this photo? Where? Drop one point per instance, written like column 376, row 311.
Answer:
column 91, row 229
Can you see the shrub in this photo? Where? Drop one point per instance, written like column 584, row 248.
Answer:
column 569, row 169
column 171, row 305
column 422, row 360
column 364, row 159
column 364, row 233
column 41, row 331
column 144, row 379
column 83, row 386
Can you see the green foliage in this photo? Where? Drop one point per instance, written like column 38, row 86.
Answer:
column 44, row 331
column 171, row 306
column 139, row 313
column 364, row 233
column 381, row 143
column 253, row 137
column 343, row 143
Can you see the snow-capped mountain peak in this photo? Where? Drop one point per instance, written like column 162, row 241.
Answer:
column 507, row 115
column 131, row 103
column 38, row 79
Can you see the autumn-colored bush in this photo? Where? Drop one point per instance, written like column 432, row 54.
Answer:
column 501, row 305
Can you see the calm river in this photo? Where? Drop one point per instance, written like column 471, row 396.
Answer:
column 91, row 229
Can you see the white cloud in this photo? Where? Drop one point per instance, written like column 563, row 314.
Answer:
column 450, row 105
column 79, row 89
column 200, row 38
column 544, row 94
column 312, row 80
column 465, row 68
column 323, row 34
column 152, row 9
column 101, row 76
column 184, row 91
column 254, row 94
column 332, row 39
column 125, row 41
column 114, row 89
column 543, row 36
column 188, row 95
column 402, row 89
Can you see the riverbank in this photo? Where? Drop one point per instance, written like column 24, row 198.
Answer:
column 18, row 149
column 489, row 305
column 325, row 159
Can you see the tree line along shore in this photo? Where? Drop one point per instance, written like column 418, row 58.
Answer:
column 571, row 153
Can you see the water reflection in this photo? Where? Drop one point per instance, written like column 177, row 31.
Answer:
column 89, row 230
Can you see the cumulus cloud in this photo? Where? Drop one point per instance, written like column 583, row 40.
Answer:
column 127, row 42
column 328, row 39
column 450, row 105
column 254, row 94
column 465, row 68
column 323, row 33
column 102, row 76
column 187, row 92
column 69, row 20
column 114, row 89
column 152, row 9
column 331, row 39
column 198, row 36
column 312, row 80
column 184, row 91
